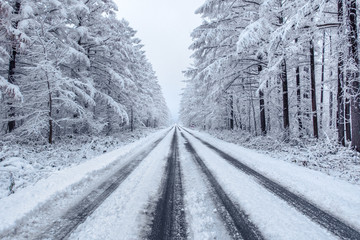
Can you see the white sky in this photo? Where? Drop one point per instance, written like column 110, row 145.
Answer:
column 164, row 26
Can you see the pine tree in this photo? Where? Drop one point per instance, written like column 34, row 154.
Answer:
column 82, row 70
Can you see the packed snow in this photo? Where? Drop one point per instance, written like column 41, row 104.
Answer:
column 273, row 216
column 329, row 193
column 324, row 155
column 201, row 213
column 13, row 207
column 128, row 212
column 123, row 214
column 25, row 163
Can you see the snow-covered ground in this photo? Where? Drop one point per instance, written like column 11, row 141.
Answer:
column 127, row 213
column 28, row 200
column 274, row 217
column 325, row 155
column 25, row 164
column 201, row 213
column 339, row 197
column 122, row 214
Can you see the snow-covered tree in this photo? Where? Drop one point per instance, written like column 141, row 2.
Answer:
column 82, row 70
column 272, row 63
column 13, row 40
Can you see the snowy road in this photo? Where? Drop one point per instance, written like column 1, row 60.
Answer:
column 77, row 214
column 316, row 214
column 180, row 184
column 169, row 216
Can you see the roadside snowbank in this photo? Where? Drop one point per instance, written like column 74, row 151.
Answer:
column 24, row 201
column 321, row 155
column 23, row 164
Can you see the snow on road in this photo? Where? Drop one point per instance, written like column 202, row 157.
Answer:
column 26, row 201
column 122, row 214
column 273, row 216
column 333, row 195
column 127, row 212
column 203, row 220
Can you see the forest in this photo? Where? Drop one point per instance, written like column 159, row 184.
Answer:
column 265, row 144
column 70, row 67
column 286, row 69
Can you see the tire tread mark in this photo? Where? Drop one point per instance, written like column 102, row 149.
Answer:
column 316, row 214
column 76, row 215
column 169, row 220
column 241, row 221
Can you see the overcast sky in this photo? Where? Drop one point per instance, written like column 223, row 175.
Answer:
column 164, row 26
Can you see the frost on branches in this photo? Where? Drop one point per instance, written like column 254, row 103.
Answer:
column 71, row 67
column 287, row 69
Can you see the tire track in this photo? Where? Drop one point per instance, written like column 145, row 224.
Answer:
column 238, row 223
column 63, row 227
column 169, row 219
column 326, row 220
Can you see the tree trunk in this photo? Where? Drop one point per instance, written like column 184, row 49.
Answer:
column 50, row 114
column 331, row 94
column 286, row 118
column 340, row 86
column 11, row 73
column 347, row 116
column 240, row 122
column 231, row 112
column 306, row 95
column 268, row 120
column 132, row 119
column 12, row 66
column 239, row 119
column 262, row 113
column 348, row 81
column 298, row 98
column 322, row 82
column 354, row 83
column 253, row 109
column 331, row 106
column 285, row 94
column 262, row 108
column 249, row 115
column 298, row 95
column 313, row 90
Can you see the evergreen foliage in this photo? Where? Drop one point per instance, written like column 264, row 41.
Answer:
column 71, row 67
column 284, row 68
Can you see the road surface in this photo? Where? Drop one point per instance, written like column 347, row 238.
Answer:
column 182, row 185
